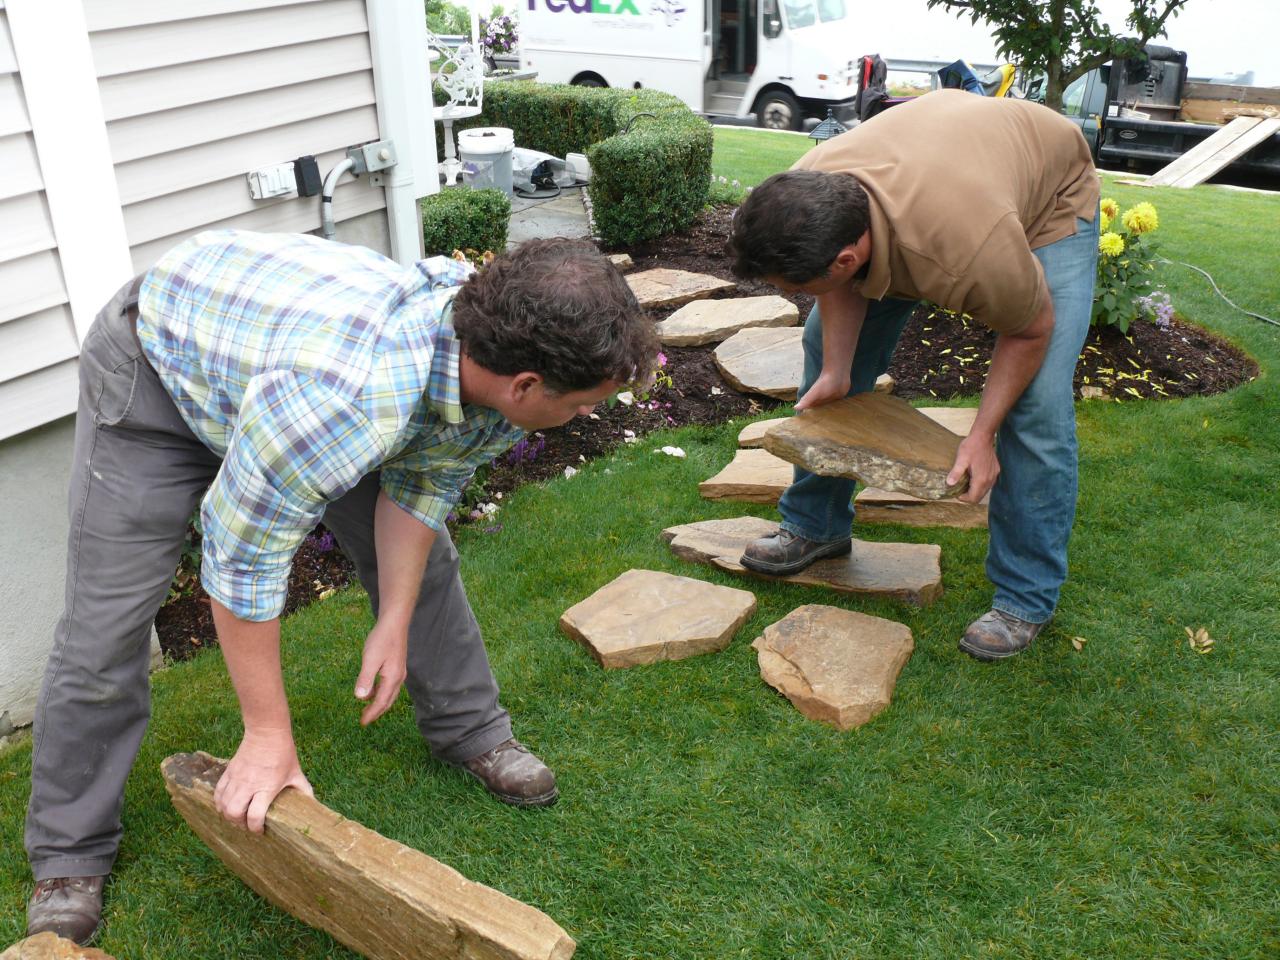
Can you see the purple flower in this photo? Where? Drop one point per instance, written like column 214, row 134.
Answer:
column 325, row 542
column 662, row 359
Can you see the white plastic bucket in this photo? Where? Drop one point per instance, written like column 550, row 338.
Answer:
column 489, row 145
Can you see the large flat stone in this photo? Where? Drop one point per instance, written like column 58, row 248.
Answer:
column 767, row 360
column 645, row 616
column 873, row 437
column 671, row 288
column 710, row 321
column 378, row 897
column 752, row 435
column 901, row 571
column 754, row 476
column 50, row 946
column 837, row 666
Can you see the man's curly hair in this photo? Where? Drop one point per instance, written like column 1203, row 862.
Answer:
column 560, row 309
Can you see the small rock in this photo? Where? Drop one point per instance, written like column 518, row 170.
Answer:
column 622, row 261
column 671, row 288
column 1093, row 393
column 837, row 666
column 885, row 383
column 645, row 616
column 875, row 438
column 710, row 321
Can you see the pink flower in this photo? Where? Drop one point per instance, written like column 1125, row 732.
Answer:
column 662, row 359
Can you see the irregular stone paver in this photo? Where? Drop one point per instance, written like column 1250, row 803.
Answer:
column 645, row 616
column 50, row 946
column 837, row 666
column 873, row 437
column 766, row 360
column 752, row 435
column 671, row 288
column 902, row 571
column 382, row 899
column 622, row 261
column 885, row 383
column 710, row 321
column 754, row 476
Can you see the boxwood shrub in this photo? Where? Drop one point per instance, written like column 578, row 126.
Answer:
column 650, row 154
column 459, row 219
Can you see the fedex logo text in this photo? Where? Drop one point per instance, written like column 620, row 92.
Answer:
column 588, row 6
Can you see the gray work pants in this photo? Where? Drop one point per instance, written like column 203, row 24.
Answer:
column 137, row 475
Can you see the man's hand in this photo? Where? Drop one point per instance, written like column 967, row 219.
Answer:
column 385, row 654
column 264, row 765
column 830, row 385
column 977, row 458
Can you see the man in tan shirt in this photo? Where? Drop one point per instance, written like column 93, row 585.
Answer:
column 984, row 206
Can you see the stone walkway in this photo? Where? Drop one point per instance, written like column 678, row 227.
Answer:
column 562, row 216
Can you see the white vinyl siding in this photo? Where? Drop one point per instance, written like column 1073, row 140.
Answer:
column 195, row 94
column 38, row 342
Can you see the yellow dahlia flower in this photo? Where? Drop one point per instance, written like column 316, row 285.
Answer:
column 1104, row 222
column 1112, row 244
column 1141, row 218
column 1110, row 209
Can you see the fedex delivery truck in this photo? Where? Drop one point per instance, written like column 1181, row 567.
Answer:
column 783, row 60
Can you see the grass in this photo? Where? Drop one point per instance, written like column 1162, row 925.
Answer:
column 1120, row 801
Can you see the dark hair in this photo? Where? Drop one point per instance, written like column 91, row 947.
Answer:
column 795, row 223
column 557, row 308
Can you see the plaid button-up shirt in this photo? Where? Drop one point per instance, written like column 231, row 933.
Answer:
column 306, row 365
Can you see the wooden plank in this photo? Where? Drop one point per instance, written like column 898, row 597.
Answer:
column 185, row 84
column 382, row 899
column 1231, row 91
column 171, row 130
column 1227, row 135
column 1262, row 130
column 184, row 41
column 1224, row 111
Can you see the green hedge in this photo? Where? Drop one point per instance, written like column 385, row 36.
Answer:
column 460, row 219
column 649, row 181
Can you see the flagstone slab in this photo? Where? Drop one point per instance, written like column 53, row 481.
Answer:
column 752, row 435
column 710, row 321
column 872, row 505
column 767, row 360
column 50, row 946
column 671, row 288
column 873, row 437
column 754, row 476
column 384, row 900
column 836, row 666
column 645, row 616
column 910, row 572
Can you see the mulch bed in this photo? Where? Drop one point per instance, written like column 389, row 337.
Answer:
column 940, row 356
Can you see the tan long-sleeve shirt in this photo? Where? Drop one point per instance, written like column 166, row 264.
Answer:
column 962, row 188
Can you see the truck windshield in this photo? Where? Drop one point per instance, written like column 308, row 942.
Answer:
column 805, row 13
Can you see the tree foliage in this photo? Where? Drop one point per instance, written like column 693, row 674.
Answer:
column 1063, row 39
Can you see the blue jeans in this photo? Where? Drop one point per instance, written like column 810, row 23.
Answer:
column 1033, row 502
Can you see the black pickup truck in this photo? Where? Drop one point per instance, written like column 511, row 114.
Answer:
column 1133, row 112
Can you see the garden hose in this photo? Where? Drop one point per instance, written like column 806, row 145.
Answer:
column 1205, row 274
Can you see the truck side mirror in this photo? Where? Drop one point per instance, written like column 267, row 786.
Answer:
column 772, row 19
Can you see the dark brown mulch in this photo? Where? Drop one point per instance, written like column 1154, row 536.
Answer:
column 939, row 356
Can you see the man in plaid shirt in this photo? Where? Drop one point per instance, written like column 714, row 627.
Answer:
column 277, row 381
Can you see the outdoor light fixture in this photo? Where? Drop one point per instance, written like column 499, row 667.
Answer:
column 828, row 128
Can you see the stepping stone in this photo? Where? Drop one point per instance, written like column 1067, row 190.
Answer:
column 50, row 946
column 754, row 476
column 710, row 321
column 671, row 288
column 645, row 616
column 766, row 360
column 380, row 898
column 622, row 261
column 873, row 437
column 900, row 571
column 837, row 666
column 752, row 435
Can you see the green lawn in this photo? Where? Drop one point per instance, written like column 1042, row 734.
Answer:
column 1121, row 801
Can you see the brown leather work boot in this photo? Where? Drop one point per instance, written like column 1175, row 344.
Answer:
column 71, row 907
column 997, row 635
column 784, row 553
column 514, row 775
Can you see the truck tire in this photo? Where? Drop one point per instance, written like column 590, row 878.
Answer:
column 778, row 110
column 588, row 80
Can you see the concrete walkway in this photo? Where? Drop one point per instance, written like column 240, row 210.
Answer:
column 561, row 216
